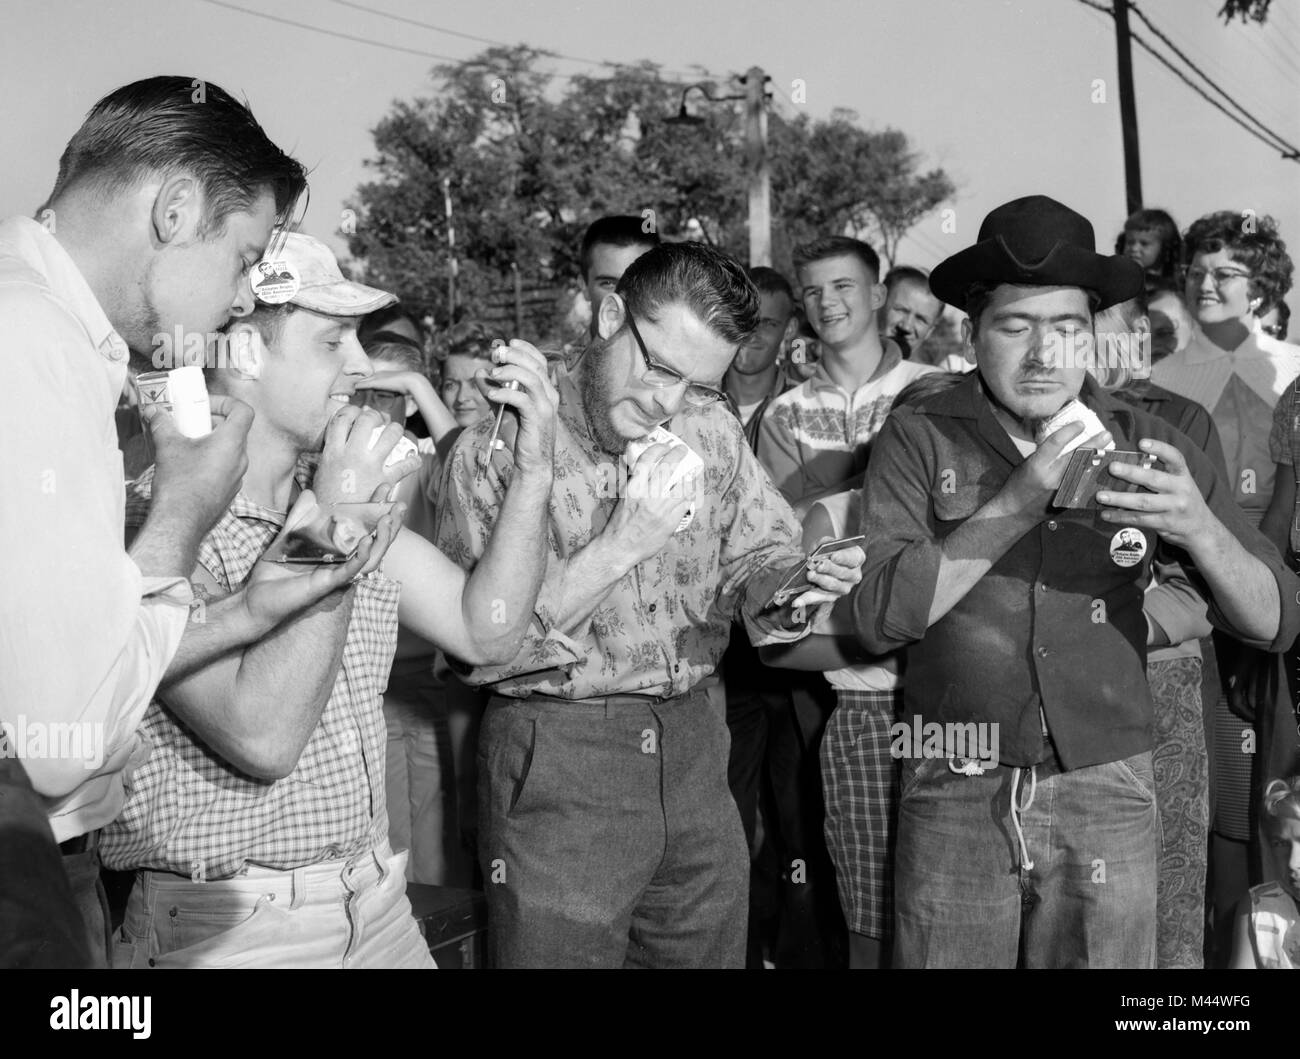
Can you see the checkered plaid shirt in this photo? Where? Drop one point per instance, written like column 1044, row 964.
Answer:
column 189, row 812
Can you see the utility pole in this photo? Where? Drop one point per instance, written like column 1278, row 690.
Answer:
column 756, row 167
column 451, row 252
column 519, row 298
column 1128, row 109
column 758, row 175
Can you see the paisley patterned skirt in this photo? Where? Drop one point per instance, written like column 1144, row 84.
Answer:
column 1182, row 797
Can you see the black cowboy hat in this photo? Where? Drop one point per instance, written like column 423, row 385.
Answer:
column 1037, row 241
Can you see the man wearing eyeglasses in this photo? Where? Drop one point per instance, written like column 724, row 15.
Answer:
column 609, row 837
column 1237, row 265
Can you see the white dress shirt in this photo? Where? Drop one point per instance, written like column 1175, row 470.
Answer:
column 85, row 638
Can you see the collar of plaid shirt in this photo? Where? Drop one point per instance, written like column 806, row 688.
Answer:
column 190, row 813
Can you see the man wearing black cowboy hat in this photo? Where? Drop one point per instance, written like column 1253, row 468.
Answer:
column 1027, row 618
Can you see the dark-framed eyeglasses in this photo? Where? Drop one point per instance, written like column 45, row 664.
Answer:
column 1221, row 276
column 389, row 402
column 661, row 377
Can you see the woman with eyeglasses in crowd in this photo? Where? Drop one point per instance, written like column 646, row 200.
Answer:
column 1236, row 269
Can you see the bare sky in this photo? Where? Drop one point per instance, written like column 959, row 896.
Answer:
column 999, row 92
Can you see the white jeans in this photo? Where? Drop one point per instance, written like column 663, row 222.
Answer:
column 337, row 914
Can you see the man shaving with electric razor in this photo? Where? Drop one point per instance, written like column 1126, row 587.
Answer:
column 609, row 835
column 1021, row 607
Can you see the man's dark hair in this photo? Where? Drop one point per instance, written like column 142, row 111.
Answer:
column 837, row 246
column 268, row 319
column 383, row 319
column 615, row 231
column 175, row 125
column 903, row 273
column 1252, row 241
column 704, row 279
column 395, row 348
column 469, row 338
column 770, row 281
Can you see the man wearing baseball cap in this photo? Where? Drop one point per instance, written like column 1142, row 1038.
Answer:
column 1027, row 618
column 258, row 830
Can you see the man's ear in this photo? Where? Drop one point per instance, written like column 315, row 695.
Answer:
column 878, row 296
column 610, row 315
column 791, row 329
column 967, row 340
column 245, row 350
column 177, row 212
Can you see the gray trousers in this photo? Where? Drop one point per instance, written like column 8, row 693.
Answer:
column 609, row 835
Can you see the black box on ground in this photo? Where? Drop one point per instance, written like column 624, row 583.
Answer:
column 454, row 923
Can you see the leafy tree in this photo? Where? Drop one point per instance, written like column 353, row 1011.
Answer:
column 1256, row 10
column 533, row 158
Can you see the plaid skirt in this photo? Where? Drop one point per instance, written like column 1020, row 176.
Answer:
column 860, row 786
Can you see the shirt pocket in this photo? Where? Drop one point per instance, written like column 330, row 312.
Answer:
column 960, row 489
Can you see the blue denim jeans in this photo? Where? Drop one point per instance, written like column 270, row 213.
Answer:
column 1068, row 881
column 609, row 835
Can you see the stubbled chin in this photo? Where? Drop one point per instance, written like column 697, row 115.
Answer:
column 1039, row 405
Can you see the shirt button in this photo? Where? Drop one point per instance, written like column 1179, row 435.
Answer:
column 652, row 608
column 1042, row 588
column 1042, row 652
column 1052, row 524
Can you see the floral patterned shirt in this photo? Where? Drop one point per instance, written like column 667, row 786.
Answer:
column 663, row 627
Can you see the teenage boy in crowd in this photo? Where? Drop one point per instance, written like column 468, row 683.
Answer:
column 814, row 439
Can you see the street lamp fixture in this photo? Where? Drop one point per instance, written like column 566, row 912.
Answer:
column 683, row 117
column 758, row 176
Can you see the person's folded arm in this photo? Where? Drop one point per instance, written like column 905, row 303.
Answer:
column 1174, row 605
column 256, row 706
column 1247, row 588
column 481, row 618
column 466, row 515
column 817, row 652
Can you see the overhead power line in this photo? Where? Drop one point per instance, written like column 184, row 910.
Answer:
column 548, row 74
column 1206, row 77
column 1234, row 81
column 333, row 32
column 499, row 43
column 1268, row 137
